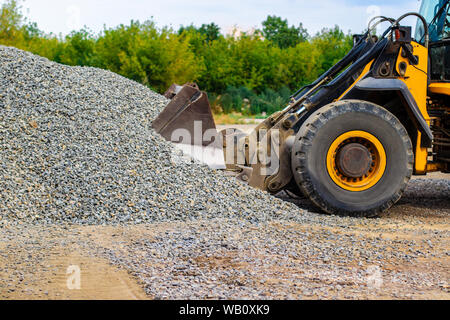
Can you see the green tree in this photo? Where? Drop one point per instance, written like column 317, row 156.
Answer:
column 153, row 57
column 277, row 30
column 210, row 31
column 37, row 42
column 187, row 29
column 79, row 48
column 332, row 44
column 11, row 21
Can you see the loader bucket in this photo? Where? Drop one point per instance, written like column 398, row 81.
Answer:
column 188, row 112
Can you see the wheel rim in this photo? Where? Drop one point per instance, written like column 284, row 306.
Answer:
column 356, row 161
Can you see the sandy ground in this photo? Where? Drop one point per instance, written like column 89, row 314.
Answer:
column 35, row 260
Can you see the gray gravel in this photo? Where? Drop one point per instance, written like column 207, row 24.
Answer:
column 76, row 146
column 77, row 152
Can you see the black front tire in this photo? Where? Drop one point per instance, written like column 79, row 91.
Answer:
column 309, row 154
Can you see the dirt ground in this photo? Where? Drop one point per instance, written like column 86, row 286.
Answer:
column 35, row 260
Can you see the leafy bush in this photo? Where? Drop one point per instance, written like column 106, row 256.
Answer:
column 249, row 74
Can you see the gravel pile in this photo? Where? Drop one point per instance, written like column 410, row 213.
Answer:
column 76, row 145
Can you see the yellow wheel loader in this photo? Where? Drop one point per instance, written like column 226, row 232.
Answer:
column 351, row 140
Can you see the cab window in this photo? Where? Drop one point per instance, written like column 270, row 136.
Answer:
column 446, row 29
column 440, row 61
column 440, row 52
column 438, row 20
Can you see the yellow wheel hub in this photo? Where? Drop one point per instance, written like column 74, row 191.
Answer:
column 356, row 161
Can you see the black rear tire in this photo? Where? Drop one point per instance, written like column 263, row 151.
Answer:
column 315, row 138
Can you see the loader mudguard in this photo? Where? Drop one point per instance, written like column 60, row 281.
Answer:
column 374, row 84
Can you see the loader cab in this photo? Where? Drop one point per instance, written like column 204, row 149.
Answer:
column 437, row 14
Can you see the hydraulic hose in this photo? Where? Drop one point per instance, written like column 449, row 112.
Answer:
column 382, row 19
column 425, row 25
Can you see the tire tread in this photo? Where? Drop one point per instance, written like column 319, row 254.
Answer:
column 313, row 124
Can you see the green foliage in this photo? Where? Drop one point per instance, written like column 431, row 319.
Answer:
column 15, row 31
column 11, row 23
column 79, row 49
column 333, row 45
column 153, row 57
column 278, row 31
column 249, row 74
column 247, row 102
column 210, row 31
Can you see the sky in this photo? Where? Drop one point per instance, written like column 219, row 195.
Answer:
column 63, row 16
